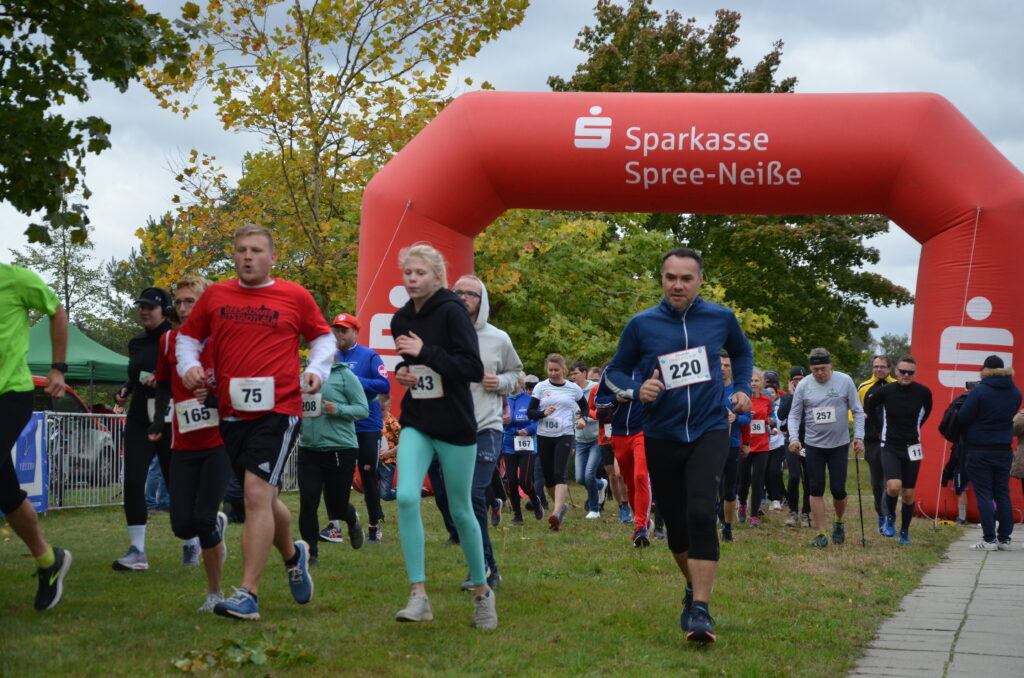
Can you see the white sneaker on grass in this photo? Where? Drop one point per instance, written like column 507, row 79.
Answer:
column 416, row 610
column 211, row 601
column 485, row 616
column 593, row 515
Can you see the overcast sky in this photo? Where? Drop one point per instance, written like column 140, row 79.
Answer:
column 971, row 53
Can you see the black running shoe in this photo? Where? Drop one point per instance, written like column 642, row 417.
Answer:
column 51, row 579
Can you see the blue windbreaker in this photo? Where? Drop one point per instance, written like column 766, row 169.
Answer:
column 517, row 406
column 682, row 414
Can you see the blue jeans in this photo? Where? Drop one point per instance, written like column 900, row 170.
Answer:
column 588, row 458
column 989, row 473
column 488, row 451
column 157, row 496
column 385, row 477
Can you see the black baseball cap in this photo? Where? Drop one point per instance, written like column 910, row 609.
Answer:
column 154, row 296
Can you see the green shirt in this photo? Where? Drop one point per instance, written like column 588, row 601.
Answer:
column 20, row 290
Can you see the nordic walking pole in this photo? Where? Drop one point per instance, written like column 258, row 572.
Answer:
column 860, row 500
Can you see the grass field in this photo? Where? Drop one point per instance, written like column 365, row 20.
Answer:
column 581, row 602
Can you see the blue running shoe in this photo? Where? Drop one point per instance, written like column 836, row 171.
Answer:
column 701, row 625
column 889, row 528
column 838, row 533
column 904, row 537
column 684, row 617
column 299, row 580
column 242, row 605
column 881, row 524
column 625, row 515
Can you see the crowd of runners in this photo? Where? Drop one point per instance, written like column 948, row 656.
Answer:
column 679, row 435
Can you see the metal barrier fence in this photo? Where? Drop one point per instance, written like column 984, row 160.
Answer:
column 85, row 453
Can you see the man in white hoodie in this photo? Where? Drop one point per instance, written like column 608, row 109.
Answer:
column 501, row 373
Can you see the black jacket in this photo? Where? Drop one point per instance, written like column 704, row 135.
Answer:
column 898, row 412
column 143, row 350
column 451, row 349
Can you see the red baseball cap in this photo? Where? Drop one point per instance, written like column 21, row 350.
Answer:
column 346, row 320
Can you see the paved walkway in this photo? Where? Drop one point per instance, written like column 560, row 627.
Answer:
column 966, row 619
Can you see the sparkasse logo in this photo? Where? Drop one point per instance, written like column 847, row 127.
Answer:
column 592, row 131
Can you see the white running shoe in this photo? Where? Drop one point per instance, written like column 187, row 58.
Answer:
column 211, row 601
column 416, row 610
column 593, row 515
column 776, row 505
column 485, row 616
column 601, row 491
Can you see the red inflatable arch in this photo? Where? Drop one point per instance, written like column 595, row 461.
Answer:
column 911, row 157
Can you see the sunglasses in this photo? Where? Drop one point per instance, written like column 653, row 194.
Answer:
column 908, row 373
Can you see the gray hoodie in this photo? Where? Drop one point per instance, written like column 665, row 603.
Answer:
column 499, row 358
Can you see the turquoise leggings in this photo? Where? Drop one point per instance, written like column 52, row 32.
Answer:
column 415, row 452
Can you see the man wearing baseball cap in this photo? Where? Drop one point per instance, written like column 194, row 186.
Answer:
column 369, row 368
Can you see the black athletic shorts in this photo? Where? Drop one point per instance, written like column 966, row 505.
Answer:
column 896, row 465
column 607, row 455
column 260, row 446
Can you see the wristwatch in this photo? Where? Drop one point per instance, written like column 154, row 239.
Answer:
column 63, row 367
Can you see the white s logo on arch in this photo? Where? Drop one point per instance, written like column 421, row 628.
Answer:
column 969, row 361
column 593, row 131
column 380, row 329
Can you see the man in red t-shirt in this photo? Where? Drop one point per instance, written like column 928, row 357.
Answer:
column 255, row 323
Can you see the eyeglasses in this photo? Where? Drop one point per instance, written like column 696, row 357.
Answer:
column 467, row 293
column 908, row 373
column 182, row 302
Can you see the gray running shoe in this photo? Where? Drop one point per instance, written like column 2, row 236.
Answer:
column 355, row 533
column 211, row 601
column 485, row 616
column 416, row 610
column 189, row 555
column 133, row 560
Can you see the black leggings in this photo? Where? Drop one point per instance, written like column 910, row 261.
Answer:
column 727, row 489
column 369, row 455
column 138, row 453
column 752, row 473
column 797, row 467
column 835, row 460
column 684, row 481
column 873, row 456
column 554, row 458
column 199, row 479
column 519, row 474
column 330, row 472
column 16, row 407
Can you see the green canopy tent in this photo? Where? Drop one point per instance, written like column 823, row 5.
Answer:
column 87, row 360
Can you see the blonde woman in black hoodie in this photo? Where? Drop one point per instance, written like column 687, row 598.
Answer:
column 440, row 357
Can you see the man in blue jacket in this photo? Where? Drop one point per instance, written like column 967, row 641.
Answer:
column 369, row 368
column 987, row 419
column 686, row 425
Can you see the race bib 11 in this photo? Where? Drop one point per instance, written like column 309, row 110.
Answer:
column 915, row 452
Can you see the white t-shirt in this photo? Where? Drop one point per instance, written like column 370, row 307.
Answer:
column 564, row 398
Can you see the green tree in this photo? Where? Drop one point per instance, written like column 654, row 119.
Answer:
column 800, row 272
column 67, row 267
column 49, row 51
column 333, row 89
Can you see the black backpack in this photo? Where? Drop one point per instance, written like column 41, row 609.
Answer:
column 950, row 426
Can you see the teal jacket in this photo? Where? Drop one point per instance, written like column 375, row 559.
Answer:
column 337, row 431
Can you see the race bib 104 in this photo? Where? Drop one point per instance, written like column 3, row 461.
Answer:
column 684, row 368
column 428, row 383
column 252, row 394
column 193, row 416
